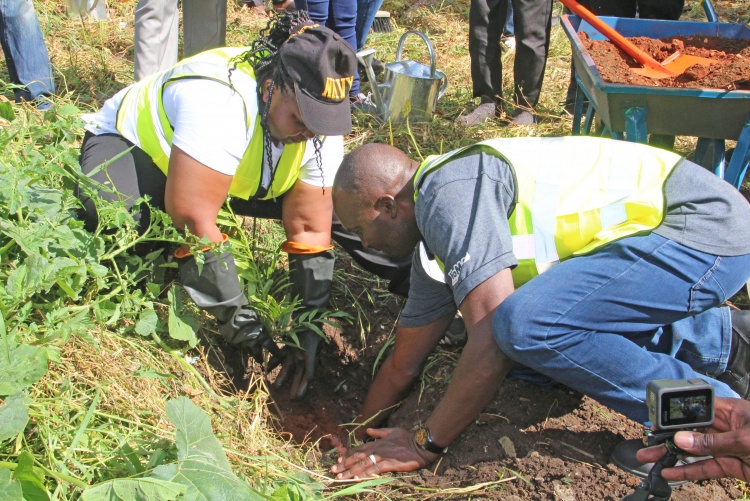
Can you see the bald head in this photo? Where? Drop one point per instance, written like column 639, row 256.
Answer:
column 371, row 170
column 373, row 196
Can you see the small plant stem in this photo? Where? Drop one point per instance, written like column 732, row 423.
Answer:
column 7, row 246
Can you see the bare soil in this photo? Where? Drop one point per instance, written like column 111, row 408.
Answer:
column 731, row 70
column 549, row 442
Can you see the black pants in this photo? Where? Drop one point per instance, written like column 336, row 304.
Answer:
column 133, row 175
column 533, row 21
column 647, row 9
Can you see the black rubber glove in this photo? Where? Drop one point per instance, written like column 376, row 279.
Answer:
column 311, row 276
column 217, row 290
column 300, row 363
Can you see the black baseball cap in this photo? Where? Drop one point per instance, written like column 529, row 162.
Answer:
column 322, row 66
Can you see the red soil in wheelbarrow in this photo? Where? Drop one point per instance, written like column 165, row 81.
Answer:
column 731, row 71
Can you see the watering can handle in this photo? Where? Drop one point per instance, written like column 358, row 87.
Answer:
column 443, row 87
column 400, row 48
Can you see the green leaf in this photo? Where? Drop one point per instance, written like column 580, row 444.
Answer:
column 153, row 374
column 31, row 483
column 140, row 489
column 68, row 110
column 361, row 487
column 13, row 416
column 147, row 323
column 11, row 489
column 25, row 366
column 202, row 464
column 45, row 201
column 183, row 324
column 6, row 111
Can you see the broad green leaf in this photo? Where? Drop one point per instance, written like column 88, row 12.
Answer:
column 6, row 111
column 13, row 416
column 10, row 489
column 202, row 464
column 147, row 323
column 45, row 201
column 68, row 110
column 26, row 365
column 136, row 489
column 182, row 322
column 31, row 484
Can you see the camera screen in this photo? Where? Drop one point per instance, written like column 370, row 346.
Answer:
column 686, row 407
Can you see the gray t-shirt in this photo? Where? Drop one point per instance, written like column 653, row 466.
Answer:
column 462, row 212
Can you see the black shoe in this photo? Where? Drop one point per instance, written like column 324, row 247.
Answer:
column 378, row 67
column 623, row 456
column 737, row 375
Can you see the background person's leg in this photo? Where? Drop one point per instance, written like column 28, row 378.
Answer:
column 532, row 21
column 486, row 19
column 156, row 36
column 204, row 25
column 586, row 322
column 660, row 9
column 128, row 178
column 25, row 52
column 366, row 11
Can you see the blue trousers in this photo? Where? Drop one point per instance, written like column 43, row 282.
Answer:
column 341, row 17
column 25, row 52
column 366, row 11
column 640, row 309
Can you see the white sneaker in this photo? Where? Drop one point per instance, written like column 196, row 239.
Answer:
column 510, row 43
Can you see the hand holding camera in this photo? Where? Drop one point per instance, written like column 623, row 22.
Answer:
column 727, row 440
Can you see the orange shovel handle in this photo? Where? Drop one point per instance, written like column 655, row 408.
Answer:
column 606, row 30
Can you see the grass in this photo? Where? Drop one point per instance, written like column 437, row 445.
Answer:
column 98, row 413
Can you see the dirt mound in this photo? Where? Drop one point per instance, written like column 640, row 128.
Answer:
column 549, row 442
column 731, row 70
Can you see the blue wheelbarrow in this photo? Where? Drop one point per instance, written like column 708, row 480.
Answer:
column 632, row 112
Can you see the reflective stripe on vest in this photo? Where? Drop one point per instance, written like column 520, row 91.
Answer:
column 142, row 120
column 573, row 194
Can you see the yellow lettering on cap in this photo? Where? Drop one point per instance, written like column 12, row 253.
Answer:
column 302, row 30
column 337, row 88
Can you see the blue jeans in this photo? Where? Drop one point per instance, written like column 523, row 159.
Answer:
column 341, row 17
column 25, row 53
column 366, row 11
column 508, row 29
column 606, row 324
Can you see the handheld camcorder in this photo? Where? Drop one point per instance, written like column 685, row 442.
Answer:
column 679, row 404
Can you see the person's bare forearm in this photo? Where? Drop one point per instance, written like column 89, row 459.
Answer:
column 476, row 379
column 386, row 391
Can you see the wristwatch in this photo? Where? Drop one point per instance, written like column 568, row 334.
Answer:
column 423, row 438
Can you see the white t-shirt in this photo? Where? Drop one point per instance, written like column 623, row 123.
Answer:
column 209, row 125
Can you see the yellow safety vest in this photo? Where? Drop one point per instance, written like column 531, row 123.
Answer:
column 142, row 120
column 573, row 194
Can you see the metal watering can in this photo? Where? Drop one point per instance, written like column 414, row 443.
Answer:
column 409, row 89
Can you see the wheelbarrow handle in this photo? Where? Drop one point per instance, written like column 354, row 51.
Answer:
column 606, row 30
column 708, row 8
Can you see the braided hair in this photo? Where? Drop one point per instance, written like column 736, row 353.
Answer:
column 262, row 57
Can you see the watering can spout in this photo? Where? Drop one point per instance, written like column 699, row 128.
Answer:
column 365, row 56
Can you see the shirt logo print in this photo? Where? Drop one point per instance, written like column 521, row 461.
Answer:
column 456, row 269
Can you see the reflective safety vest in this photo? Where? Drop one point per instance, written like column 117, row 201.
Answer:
column 573, row 195
column 142, row 120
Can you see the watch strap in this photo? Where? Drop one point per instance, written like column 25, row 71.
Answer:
column 426, row 443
